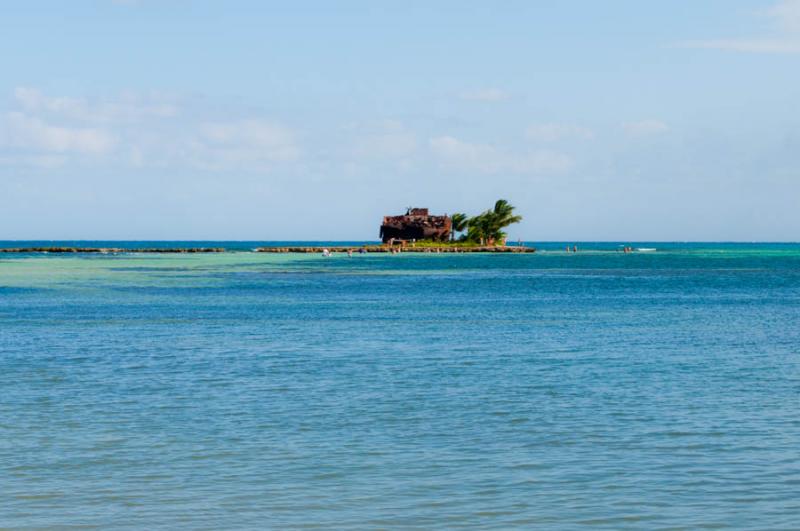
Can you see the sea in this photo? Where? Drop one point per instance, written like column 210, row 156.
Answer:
column 655, row 389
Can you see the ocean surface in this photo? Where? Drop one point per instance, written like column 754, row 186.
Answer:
column 653, row 390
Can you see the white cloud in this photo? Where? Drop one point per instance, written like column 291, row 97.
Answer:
column 30, row 132
column 390, row 140
column 487, row 94
column 243, row 144
column 785, row 16
column 127, row 107
column 554, row 132
column 482, row 158
column 389, row 145
column 645, row 127
column 778, row 46
column 38, row 161
column 137, row 131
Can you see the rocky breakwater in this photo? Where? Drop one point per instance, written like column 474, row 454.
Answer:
column 387, row 249
column 110, row 250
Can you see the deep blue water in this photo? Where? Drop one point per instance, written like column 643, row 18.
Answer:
column 561, row 391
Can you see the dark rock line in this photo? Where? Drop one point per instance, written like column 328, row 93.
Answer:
column 304, row 250
column 109, row 250
column 388, row 249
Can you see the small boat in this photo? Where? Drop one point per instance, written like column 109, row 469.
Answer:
column 645, row 249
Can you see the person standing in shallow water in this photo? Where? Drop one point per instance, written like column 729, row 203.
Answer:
column 574, row 248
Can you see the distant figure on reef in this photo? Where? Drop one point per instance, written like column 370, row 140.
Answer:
column 574, row 248
column 350, row 252
column 326, row 252
column 362, row 251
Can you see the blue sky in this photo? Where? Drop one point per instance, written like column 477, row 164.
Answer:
column 619, row 120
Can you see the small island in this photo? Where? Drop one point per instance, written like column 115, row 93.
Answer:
column 417, row 231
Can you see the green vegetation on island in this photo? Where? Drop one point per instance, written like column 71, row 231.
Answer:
column 487, row 227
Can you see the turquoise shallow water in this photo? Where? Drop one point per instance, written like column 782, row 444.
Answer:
column 598, row 389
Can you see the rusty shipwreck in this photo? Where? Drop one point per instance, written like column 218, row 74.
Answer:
column 415, row 224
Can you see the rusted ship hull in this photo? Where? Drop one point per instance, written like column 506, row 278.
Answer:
column 410, row 231
column 416, row 224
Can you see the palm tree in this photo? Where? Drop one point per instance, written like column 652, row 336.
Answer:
column 503, row 217
column 488, row 226
column 458, row 224
column 480, row 227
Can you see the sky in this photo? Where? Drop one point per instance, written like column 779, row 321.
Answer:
column 620, row 120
